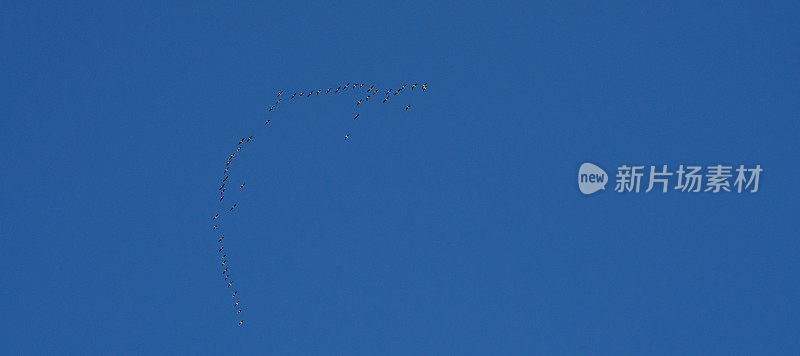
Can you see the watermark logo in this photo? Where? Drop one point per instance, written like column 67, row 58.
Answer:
column 685, row 178
column 591, row 178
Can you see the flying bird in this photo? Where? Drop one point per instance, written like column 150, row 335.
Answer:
column 337, row 90
column 346, row 137
column 221, row 238
column 233, row 207
column 279, row 94
column 225, row 271
column 223, row 256
column 234, row 293
column 222, row 197
column 226, row 170
column 370, row 88
column 226, row 178
column 221, row 248
column 301, row 94
column 408, row 106
column 240, row 142
column 229, row 284
column 214, row 228
column 266, row 122
column 226, row 277
column 223, row 262
column 272, row 108
column 293, row 95
column 249, row 138
column 239, row 312
column 356, row 116
column 318, row 91
column 329, row 90
column 359, row 102
column 413, row 86
column 215, row 217
column 237, row 303
column 240, row 322
column 242, row 186
column 278, row 102
column 384, row 100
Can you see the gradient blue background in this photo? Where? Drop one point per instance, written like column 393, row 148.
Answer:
column 453, row 228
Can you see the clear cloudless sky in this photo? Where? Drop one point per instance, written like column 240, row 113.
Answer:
column 455, row 227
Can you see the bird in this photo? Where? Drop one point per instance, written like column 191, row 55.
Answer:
column 329, row 90
column 278, row 102
column 229, row 284
column 240, row 142
column 226, row 277
column 225, row 271
column 272, row 108
column 293, row 95
column 345, row 87
column 215, row 217
column 237, row 303
column 249, row 138
column 318, row 91
column 398, row 91
column 223, row 256
column 214, row 228
column 221, row 248
column 413, row 86
column 239, row 312
column 226, row 178
column 222, row 197
column 384, row 100
column 266, row 122
column 226, row 170
column 301, row 94
column 233, row 207
column 234, row 293
column 388, row 91
column 404, row 86
column 223, row 262
column 239, row 149
column 408, row 106
column 220, row 188
column 367, row 98
column 279, row 94
column 346, row 137
column 359, row 102
column 370, row 88
column 361, row 86
column 337, row 90
column 221, row 238
column 240, row 322
column 242, row 186
column 356, row 116
column 310, row 92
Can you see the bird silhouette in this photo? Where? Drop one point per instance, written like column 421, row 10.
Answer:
column 242, row 186
column 222, row 197
column 221, row 248
column 240, row 322
column 346, row 137
column 226, row 277
column 229, row 284
column 293, row 95
column 237, row 303
column 387, row 98
column 226, row 178
column 239, row 312
column 233, row 207
column 356, row 116
column 266, row 122
column 234, row 293
column 279, row 94
column 337, row 90
column 408, row 106
column 225, row 271
column 214, row 228
column 221, row 238
column 215, row 217
column 329, row 90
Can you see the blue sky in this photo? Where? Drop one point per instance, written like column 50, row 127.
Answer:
column 452, row 228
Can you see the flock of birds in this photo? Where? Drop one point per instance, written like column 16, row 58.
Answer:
column 370, row 92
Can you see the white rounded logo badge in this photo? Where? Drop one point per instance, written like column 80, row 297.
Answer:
column 591, row 178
